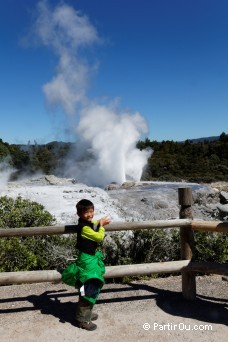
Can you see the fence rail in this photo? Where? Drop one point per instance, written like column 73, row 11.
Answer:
column 186, row 266
column 9, row 278
column 213, row 226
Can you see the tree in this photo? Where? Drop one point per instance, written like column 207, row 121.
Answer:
column 4, row 150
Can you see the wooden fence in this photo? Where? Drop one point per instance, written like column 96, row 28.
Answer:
column 187, row 266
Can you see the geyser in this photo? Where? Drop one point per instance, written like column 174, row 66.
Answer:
column 108, row 134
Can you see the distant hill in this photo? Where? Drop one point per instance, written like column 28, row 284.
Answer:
column 213, row 138
column 26, row 147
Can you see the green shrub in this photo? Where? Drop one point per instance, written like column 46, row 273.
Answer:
column 31, row 253
column 145, row 246
column 150, row 246
column 212, row 247
column 23, row 213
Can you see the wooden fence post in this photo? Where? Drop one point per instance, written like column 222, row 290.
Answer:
column 187, row 243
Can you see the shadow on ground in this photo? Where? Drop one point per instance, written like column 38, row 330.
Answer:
column 203, row 308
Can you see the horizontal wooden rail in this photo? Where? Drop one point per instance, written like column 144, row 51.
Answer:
column 111, row 272
column 145, row 269
column 210, row 226
column 148, row 224
column 208, row 267
column 72, row 229
column 28, row 277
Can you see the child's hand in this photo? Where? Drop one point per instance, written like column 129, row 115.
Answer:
column 104, row 220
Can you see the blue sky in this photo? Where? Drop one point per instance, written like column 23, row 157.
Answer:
column 166, row 59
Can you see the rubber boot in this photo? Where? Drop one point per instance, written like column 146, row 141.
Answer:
column 84, row 315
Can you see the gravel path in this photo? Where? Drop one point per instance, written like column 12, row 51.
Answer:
column 45, row 312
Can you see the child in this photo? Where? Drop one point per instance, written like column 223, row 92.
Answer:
column 90, row 263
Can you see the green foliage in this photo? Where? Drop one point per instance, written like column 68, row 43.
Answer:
column 32, row 158
column 35, row 253
column 158, row 245
column 19, row 160
column 4, row 150
column 150, row 246
column 16, row 256
column 23, row 213
column 211, row 247
column 117, row 252
column 201, row 161
column 48, row 158
column 31, row 253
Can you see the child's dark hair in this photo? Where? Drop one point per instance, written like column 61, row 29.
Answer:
column 83, row 206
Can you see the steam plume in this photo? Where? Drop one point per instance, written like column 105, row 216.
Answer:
column 107, row 133
column 5, row 171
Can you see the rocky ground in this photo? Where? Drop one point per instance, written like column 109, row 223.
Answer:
column 147, row 310
column 128, row 202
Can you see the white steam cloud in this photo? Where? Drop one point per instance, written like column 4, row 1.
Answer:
column 108, row 134
column 112, row 136
column 66, row 32
column 6, row 171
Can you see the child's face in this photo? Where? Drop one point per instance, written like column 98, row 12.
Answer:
column 87, row 215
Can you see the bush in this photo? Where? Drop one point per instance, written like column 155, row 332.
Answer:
column 212, row 247
column 31, row 253
column 145, row 246
column 150, row 246
column 142, row 246
column 23, row 213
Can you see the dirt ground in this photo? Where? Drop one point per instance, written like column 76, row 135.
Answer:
column 152, row 310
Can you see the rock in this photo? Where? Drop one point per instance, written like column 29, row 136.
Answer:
column 223, row 197
column 206, row 196
column 211, row 209
column 112, row 186
column 145, row 200
column 223, row 211
column 53, row 180
column 221, row 186
column 160, row 205
column 223, row 207
column 127, row 185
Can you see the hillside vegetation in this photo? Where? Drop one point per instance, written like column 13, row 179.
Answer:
column 192, row 160
column 200, row 161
